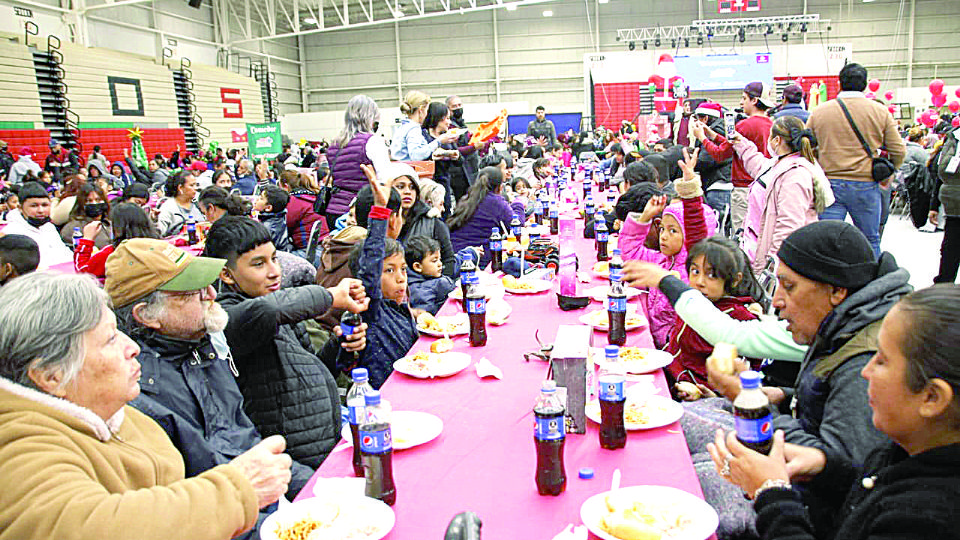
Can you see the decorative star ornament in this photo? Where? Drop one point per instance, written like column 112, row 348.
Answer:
column 135, row 133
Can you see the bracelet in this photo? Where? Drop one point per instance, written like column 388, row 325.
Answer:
column 770, row 484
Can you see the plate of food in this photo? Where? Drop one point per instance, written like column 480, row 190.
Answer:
column 526, row 286
column 599, row 293
column 599, row 321
column 636, row 360
column 642, row 412
column 427, row 365
column 407, row 428
column 453, row 325
column 491, row 289
column 648, row 513
column 602, row 269
column 325, row 518
column 498, row 310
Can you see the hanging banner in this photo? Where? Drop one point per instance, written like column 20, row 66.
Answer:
column 264, row 139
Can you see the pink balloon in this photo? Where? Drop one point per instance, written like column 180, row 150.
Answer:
column 874, row 85
column 954, row 106
column 936, row 87
column 957, row 92
column 889, row 95
column 939, row 100
column 955, row 122
column 892, row 109
column 870, row 95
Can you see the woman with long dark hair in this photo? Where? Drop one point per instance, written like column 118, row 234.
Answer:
column 436, row 124
column 90, row 206
column 482, row 210
column 128, row 220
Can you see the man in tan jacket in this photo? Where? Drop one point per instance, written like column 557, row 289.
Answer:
column 844, row 159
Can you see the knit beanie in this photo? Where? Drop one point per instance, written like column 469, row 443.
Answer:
column 832, row 252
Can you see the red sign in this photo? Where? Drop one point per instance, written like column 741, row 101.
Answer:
column 732, row 6
column 226, row 97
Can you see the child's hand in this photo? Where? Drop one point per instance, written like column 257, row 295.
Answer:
column 689, row 163
column 350, row 295
column 381, row 194
column 654, row 208
column 91, row 230
column 698, row 129
column 642, row 274
column 355, row 342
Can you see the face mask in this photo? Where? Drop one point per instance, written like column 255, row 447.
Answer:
column 457, row 114
column 376, row 126
column 38, row 222
column 95, row 209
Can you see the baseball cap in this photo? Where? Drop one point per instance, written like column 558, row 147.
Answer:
column 709, row 109
column 140, row 266
column 54, row 142
column 761, row 91
column 793, row 93
column 26, row 151
column 198, row 166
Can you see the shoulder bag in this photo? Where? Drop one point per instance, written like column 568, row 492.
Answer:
column 882, row 168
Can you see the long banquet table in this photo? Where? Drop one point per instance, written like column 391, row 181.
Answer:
column 484, row 460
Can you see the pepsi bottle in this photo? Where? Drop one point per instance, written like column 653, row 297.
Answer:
column 356, row 413
column 588, row 207
column 538, row 212
column 376, row 450
column 554, row 219
column 752, row 416
column 548, row 436
column 611, row 378
column 496, row 250
column 77, row 235
column 192, row 231
column 616, row 314
column 516, row 227
column 468, row 276
column 616, row 266
column 477, row 313
column 602, row 236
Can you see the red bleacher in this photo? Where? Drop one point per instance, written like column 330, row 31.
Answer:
column 37, row 139
column 832, row 82
column 114, row 141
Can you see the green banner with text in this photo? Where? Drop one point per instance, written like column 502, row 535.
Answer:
column 264, row 139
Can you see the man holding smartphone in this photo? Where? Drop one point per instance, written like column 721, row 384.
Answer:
column 755, row 101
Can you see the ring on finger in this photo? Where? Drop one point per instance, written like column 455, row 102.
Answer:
column 725, row 470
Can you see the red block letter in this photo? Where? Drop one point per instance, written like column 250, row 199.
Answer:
column 231, row 100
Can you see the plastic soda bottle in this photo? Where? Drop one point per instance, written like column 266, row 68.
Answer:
column 613, row 434
column 751, row 412
column 192, row 231
column 554, row 215
column 477, row 312
column 468, row 276
column 376, row 449
column 356, row 409
column 616, row 266
column 538, row 212
column 516, row 226
column 496, row 250
column 602, row 236
column 616, row 314
column 77, row 235
column 548, row 436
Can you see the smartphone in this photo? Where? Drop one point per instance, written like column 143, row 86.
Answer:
column 730, row 124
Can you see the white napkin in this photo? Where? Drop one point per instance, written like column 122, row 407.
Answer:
column 487, row 369
column 644, row 386
column 572, row 533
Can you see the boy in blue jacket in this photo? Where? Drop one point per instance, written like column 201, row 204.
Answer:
column 272, row 208
column 428, row 286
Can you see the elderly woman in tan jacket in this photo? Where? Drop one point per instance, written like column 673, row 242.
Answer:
column 75, row 460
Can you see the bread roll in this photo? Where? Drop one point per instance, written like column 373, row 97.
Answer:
column 690, row 389
column 722, row 359
column 628, row 529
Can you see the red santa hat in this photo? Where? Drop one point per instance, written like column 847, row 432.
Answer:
column 709, row 108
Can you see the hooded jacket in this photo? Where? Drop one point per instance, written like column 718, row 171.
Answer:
column 286, row 388
column 428, row 293
column 52, row 249
column 301, row 217
column 334, row 265
column 67, row 473
column 20, row 169
column 789, row 192
column 422, row 220
column 276, row 223
column 714, row 174
column 698, row 221
column 908, row 497
column 830, row 409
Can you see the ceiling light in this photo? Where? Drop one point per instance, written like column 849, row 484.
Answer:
column 603, row 1
column 785, row 37
column 511, row 7
column 699, row 40
column 548, row 13
column 686, row 42
column 644, row 44
column 656, row 42
column 632, row 46
column 310, row 20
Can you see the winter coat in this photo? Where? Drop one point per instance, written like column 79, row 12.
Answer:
column 334, row 266
column 67, row 473
column 52, row 249
column 391, row 330
column 20, row 169
column 144, row 176
column 87, row 262
column 793, row 109
column 276, row 223
column 301, row 217
column 789, row 200
column 690, row 350
column 907, row 497
column 429, row 293
column 713, row 174
column 422, row 220
column 698, row 221
column 247, row 184
column 286, row 388
column 347, row 175
column 408, row 143
column 173, row 217
column 916, row 154
column 103, row 239
column 121, row 181
column 830, row 409
column 492, row 212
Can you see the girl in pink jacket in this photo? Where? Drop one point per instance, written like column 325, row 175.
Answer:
column 681, row 226
column 790, row 190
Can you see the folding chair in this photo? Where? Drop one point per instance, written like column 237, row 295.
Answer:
column 768, row 284
column 314, row 239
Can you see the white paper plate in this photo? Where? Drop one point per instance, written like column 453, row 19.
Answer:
column 653, row 360
column 599, row 293
column 601, row 323
column 408, row 429
column 439, row 365
column 700, row 519
column 539, row 286
column 661, row 411
column 460, row 327
column 346, row 515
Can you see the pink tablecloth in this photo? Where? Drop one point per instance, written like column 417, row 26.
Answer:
column 484, row 461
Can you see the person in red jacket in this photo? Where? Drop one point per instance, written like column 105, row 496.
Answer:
column 755, row 101
column 719, row 269
column 129, row 221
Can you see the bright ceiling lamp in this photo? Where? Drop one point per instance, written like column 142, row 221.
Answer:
column 310, row 20
column 548, row 13
column 511, row 7
column 604, row 1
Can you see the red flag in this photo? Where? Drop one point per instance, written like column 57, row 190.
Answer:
column 238, row 136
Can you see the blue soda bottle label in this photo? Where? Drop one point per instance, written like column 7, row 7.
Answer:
column 616, row 304
column 347, row 329
column 756, row 430
column 496, row 245
column 616, row 274
column 611, row 390
column 553, row 213
column 476, row 305
column 470, row 278
column 355, row 410
column 602, row 236
column 548, row 429
column 376, row 442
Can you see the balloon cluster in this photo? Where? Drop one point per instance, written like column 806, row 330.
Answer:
column 938, row 98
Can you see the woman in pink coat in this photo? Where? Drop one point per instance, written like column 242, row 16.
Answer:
column 681, row 226
column 789, row 190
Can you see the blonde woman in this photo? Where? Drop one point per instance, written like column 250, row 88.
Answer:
column 409, row 144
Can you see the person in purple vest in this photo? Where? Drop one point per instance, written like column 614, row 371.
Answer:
column 357, row 144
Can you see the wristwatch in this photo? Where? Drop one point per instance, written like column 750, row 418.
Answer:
column 770, row 484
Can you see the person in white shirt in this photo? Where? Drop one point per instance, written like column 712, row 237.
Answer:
column 23, row 165
column 409, row 144
column 33, row 220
